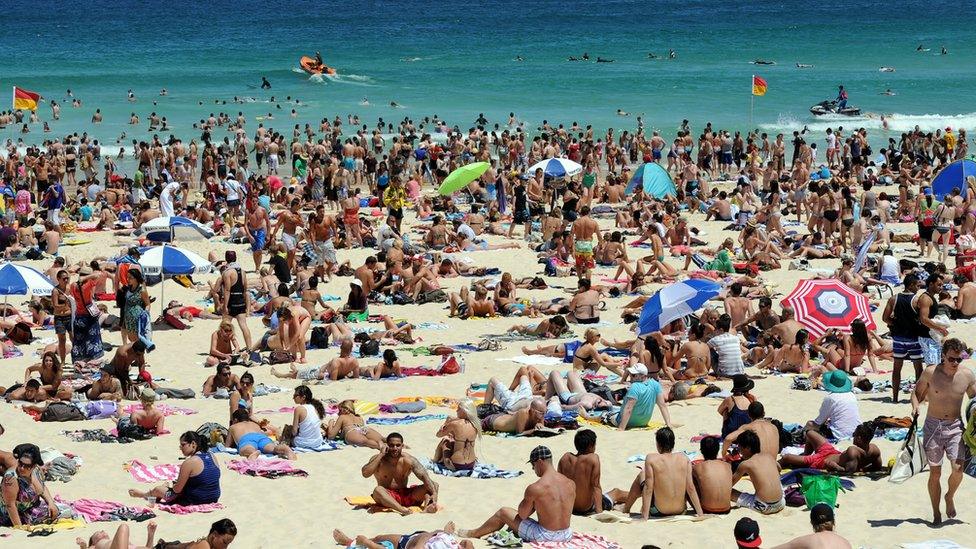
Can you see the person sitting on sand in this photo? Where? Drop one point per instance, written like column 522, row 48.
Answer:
column 350, row 428
column 224, row 348
column 388, row 367
column 307, row 420
column 221, row 535
column 515, row 397
column 791, row 357
column 637, row 406
column 243, row 397
column 694, row 359
column 251, row 441
column 819, row 453
column 391, row 468
column 551, row 498
column 665, row 484
column 767, row 432
column 26, row 500
column 583, row 468
column 106, row 387
column 148, row 417
column 50, row 372
column 456, row 450
column 101, row 539
column 713, row 478
column 839, row 415
column 197, row 483
column 224, row 382
column 344, row 366
column 581, row 354
column 823, row 536
column 523, row 422
column 763, row 472
column 438, row 539
column 463, row 305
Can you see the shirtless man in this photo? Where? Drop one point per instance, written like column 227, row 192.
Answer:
column 106, row 387
column 522, row 422
column 551, row 498
column 464, row 306
column 583, row 468
column 966, row 298
column 943, row 386
column 786, row 330
column 767, row 432
column 696, row 353
column 665, row 483
column 713, row 478
column 250, row 440
column 366, row 273
column 737, row 306
column 126, row 356
column 288, row 222
column 583, row 230
column 257, row 226
column 763, row 471
column 391, row 468
column 721, row 210
column 223, row 379
column 762, row 320
column 823, row 536
column 862, row 456
column 29, row 392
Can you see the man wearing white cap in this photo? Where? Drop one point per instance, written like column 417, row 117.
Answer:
column 637, row 406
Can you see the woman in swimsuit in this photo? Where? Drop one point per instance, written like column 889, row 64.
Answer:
column 655, row 358
column 198, row 481
column 581, row 354
column 243, row 398
column 149, row 417
column 548, row 328
column 224, row 348
column 456, row 449
column 388, row 367
column 294, row 324
column 790, row 358
column 351, row 428
column 735, row 408
column 50, row 372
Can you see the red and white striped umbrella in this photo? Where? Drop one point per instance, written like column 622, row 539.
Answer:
column 822, row 304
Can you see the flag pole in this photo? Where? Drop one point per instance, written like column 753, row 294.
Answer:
column 752, row 99
column 13, row 96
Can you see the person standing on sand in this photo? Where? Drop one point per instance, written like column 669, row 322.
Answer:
column 903, row 320
column 236, row 298
column 551, row 498
column 583, row 230
column 944, row 386
column 257, row 227
column 391, row 468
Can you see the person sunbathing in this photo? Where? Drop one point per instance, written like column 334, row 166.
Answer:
column 102, row 540
column 523, row 422
column 819, row 453
column 198, row 481
column 792, row 357
column 350, row 428
column 187, row 312
column 547, row 328
column 224, row 381
column 456, row 450
column 391, row 468
column 50, row 372
column 581, row 354
column 569, row 393
column 28, row 392
column 149, row 417
column 463, row 305
column 388, row 367
column 444, row 538
column 250, row 439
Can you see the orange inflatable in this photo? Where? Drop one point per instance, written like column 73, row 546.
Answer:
column 311, row 66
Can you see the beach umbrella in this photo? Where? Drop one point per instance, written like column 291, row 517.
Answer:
column 170, row 228
column 654, row 179
column 22, row 280
column 556, row 167
column 675, row 301
column 459, row 178
column 823, row 304
column 167, row 260
column 953, row 176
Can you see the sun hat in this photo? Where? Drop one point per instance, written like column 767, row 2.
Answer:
column 837, row 381
column 742, row 384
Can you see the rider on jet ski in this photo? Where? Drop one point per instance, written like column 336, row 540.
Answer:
column 841, row 98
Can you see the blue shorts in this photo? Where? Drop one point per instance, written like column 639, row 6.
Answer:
column 726, row 158
column 260, row 239
column 906, row 347
column 656, row 154
column 257, row 440
column 931, row 351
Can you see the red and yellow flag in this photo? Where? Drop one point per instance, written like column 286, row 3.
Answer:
column 758, row 85
column 25, row 99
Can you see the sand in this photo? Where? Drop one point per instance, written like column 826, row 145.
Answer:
column 301, row 512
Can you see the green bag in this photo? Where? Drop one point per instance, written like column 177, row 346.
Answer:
column 820, row 489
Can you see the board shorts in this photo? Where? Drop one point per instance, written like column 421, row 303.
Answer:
column 656, row 154
column 290, row 241
column 405, row 496
column 257, row 440
column 749, row 501
column 62, row 324
column 817, row 459
column 931, row 350
column 906, row 347
column 942, row 437
column 260, row 239
column 583, row 254
column 508, row 398
column 530, row 530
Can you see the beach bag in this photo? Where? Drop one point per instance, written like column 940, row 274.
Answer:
column 33, row 254
column 433, row 296
column 485, row 410
column 62, row 411
column 281, row 357
column 369, row 347
column 214, row 432
column 128, row 429
column 910, row 460
column 450, row 364
column 793, row 494
column 20, row 333
column 820, row 489
column 319, row 338
column 402, row 298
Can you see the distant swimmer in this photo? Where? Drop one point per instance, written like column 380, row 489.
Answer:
column 394, row 104
column 888, row 92
column 763, row 62
column 131, row 96
column 672, row 54
column 519, row 58
column 602, row 60
column 803, row 66
column 364, row 102
column 945, row 51
column 572, row 58
column 70, row 94
column 621, row 112
column 651, row 56
column 586, row 56
column 886, row 69
column 920, row 48
column 265, row 85
column 163, row 92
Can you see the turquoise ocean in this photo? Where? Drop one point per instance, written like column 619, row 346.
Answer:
column 457, row 60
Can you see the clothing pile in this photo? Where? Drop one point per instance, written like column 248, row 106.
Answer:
column 266, row 468
column 481, row 470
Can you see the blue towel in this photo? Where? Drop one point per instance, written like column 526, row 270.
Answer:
column 481, row 470
column 374, row 420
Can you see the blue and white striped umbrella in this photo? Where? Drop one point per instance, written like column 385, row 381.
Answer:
column 171, row 261
column 22, row 280
column 556, row 167
column 675, row 301
column 170, row 228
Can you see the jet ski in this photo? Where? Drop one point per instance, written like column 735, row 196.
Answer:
column 312, row 66
column 830, row 107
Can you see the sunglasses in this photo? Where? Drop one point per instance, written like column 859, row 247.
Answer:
column 26, row 465
column 954, row 359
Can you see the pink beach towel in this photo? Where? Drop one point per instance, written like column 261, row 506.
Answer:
column 282, row 410
column 165, row 409
column 187, row 509
column 152, row 473
column 578, row 541
column 269, row 468
column 93, row 510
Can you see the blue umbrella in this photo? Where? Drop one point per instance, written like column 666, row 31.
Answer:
column 169, row 228
column 556, row 167
column 22, row 280
column 171, row 261
column 654, row 179
column 953, row 176
column 675, row 301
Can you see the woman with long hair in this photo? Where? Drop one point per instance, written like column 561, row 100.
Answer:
column 307, row 421
column 351, row 428
column 456, row 450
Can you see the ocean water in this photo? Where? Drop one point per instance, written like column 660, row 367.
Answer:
column 458, row 60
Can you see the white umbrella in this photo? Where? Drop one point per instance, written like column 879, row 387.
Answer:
column 169, row 260
column 169, row 228
column 22, row 280
column 556, row 167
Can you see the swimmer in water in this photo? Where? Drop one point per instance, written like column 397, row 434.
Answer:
column 364, row 102
column 519, row 58
column 131, row 96
column 163, row 92
column 672, row 54
column 621, row 112
column 945, row 51
column 586, row 56
column 394, row 104
column 651, row 56
column 888, row 92
column 265, row 85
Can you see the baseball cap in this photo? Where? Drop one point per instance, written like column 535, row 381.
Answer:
column 540, row 453
column 637, row 370
column 747, row 533
column 821, row 513
column 145, row 376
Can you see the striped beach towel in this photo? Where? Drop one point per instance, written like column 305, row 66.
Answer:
column 152, row 474
column 578, row 541
column 187, row 509
column 481, row 470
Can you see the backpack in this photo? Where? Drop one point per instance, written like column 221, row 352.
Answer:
column 281, row 357
column 128, row 429
column 370, row 347
column 402, row 298
column 214, row 432
column 62, row 411
column 433, row 296
column 319, row 338
column 20, row 333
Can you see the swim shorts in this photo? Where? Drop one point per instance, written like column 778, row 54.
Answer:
column 905, row 347
column 530, row 530
column 62, row 324
column 749, row 501
column 289, row 240
column 508, row 398
column 931, row 350
column 942, row 437
column 817, row 459
column 256, row 440
column 405, row 496
column 260, row 239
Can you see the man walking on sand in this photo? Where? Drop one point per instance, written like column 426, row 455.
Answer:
column 550, row 498
column 943, row 386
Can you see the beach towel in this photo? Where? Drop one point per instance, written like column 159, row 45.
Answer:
column 652, row 426
column 578, row 541
column 282, row 410
column 534, row 360
column 266, row 468
column 421, row 371
column 187, row 509
column 327, row 446
column 97, row 510
column 152, row 474
column 439, row 401
column 403, row 420
column 362, row 407
column 368, row 503
column 164, row 408
column 481, row 470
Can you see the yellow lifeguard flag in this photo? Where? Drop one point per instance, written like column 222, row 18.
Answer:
column 758, row 85
column 25, row 99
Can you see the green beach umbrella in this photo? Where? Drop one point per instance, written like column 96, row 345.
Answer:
column 460, row 177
